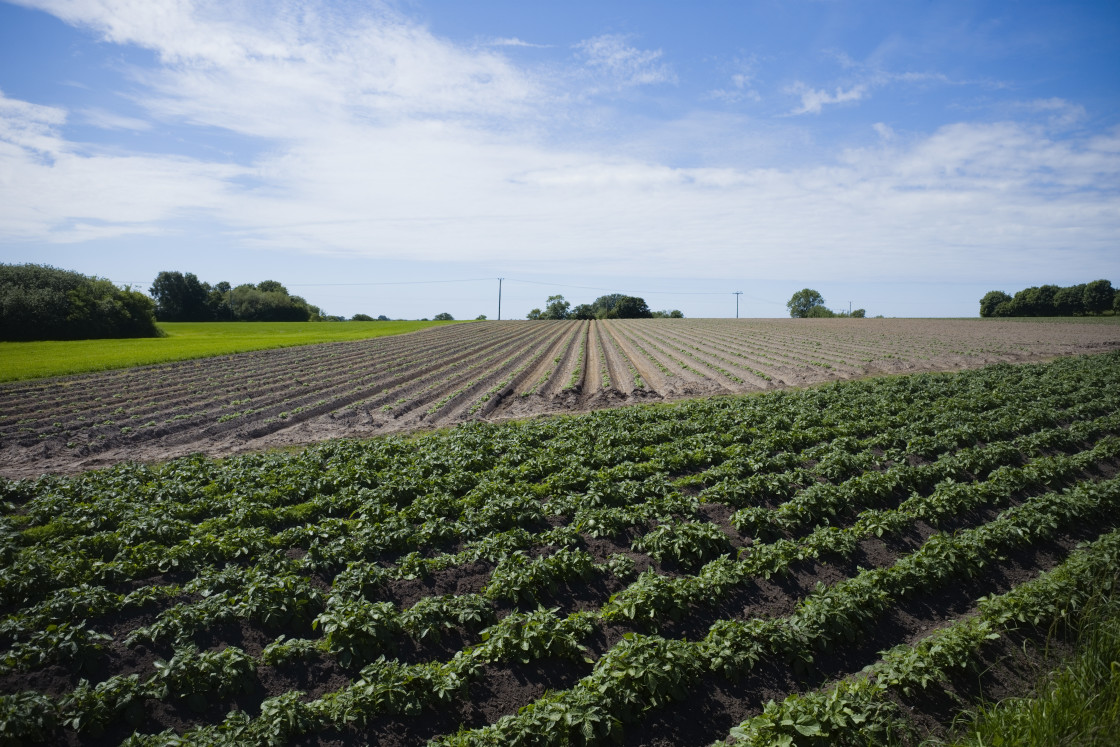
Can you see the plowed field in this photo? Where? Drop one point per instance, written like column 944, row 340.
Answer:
column 480, row 371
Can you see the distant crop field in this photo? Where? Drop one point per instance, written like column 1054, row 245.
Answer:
column 845, row 564
column 479, row 371
column 184, row 341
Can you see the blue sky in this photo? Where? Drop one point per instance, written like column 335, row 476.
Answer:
column 904, row 157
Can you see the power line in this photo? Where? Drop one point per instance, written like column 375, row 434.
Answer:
column 400, row 282
column 615, row 290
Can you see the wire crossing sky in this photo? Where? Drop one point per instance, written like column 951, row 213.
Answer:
column 904, row 157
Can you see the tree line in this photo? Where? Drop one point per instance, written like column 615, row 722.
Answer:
column 1096, row 297
column 40, row 302
column 611, row 306
column 182, row 297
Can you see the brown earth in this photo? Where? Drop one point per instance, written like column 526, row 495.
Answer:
column 484, row 371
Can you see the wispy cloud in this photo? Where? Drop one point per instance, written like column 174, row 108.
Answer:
column 515, row 42
column 108, row 120
column 860, row 80
column 618, row 64
column 1059, row 112
column 741, row 83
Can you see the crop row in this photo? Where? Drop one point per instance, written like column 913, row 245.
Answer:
column 415, row 568
column 395, row 383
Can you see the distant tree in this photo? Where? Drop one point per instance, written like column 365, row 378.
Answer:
column 1035, row 301
column 666, row 314
column 1116, row 302
column 219, row 303
column 820, row 312
column 40, row 302
column 480, row 318
column 271, row 286
column 612, row 306
column 1070, row 301
column 1045, row 301
column 991, row 301
column 555, row 308
column 1051, row 300
column 583, row 311
column 605, row 306
column 1098, row 296
column 251, row 304
column 632, row 307
column 382, row 318
column 443, row 316
column 803, row 301
column 181, row 298
column 859, row 313
column 315, row 314
column 361, row 318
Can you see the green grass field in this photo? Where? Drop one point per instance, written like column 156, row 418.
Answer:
column 184, row 340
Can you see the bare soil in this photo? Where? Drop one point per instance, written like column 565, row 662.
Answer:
column 448, row 375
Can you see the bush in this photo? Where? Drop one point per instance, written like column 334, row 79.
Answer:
column 361, row 318
column 39, row 302
column 820, row 312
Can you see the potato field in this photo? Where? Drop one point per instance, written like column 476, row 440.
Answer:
column 848, row 563
column 478, row 371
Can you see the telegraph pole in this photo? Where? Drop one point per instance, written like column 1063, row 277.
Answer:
column 500, row 298
column 737, row 294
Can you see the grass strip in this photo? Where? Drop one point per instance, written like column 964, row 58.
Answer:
column 1077, row 703
column 183, row 341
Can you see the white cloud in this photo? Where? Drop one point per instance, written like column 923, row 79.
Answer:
column 884, row 131
column 378, row 138
column 57, row 191
column 29, row 126
column 813, row 100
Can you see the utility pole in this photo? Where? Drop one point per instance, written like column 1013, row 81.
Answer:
column 500, row 298
column 737, row 294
